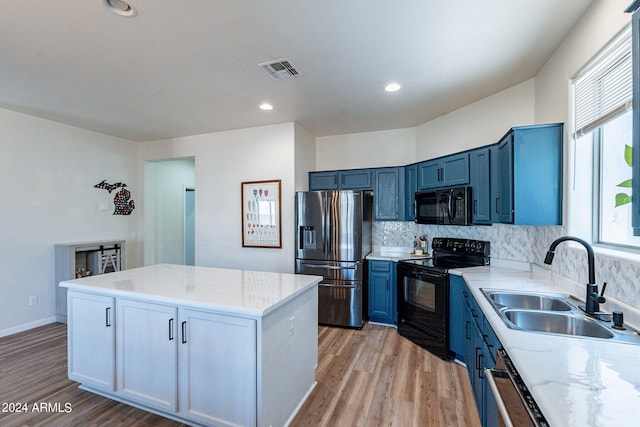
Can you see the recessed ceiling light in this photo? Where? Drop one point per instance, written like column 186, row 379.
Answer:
column 392, row 87
column 266, row 106
column 120, row 7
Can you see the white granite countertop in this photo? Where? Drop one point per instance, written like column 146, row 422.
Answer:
column 241, row 292
column 392, row 253
column 575, row 381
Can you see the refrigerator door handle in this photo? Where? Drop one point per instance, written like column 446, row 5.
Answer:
column 326, row 224
column 327, row 285
column 329, row 267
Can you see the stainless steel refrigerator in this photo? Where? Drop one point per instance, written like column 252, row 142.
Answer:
column 333, row 237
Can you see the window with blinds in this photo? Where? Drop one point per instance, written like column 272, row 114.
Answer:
column 603, row 102
column 604, row 89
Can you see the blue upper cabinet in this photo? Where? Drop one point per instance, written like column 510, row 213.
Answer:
column 480, row 181
column 356, row 179
column 323, row 180
column 353, row 179
column 388, row 194
column 515, row 181
column 410, row 188
column 444, row 172
column 504, row 196
column 387, row 185
column 530, row 175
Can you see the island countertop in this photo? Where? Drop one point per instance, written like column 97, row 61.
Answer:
column 241, row 292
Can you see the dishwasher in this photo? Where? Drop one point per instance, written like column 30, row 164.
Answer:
column 516, row 406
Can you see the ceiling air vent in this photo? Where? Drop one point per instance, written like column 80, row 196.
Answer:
column 280, row 69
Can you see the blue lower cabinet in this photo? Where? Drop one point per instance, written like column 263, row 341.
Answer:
column 382, row 292
column 478, row 349
column 457, row 326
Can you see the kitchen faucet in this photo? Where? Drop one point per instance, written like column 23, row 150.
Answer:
column 593, row 298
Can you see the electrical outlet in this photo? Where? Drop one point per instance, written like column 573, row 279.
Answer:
column 33, row 300
column 292, row 327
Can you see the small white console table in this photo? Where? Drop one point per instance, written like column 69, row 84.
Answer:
column 81, row 259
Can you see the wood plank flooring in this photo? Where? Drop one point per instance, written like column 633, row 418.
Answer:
column 375, row 377
column 371, row 377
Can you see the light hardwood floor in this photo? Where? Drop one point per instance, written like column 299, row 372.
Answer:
column 375, row 377
column 371, row 377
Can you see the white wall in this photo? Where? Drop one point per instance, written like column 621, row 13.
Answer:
column 598, row 26
column 305, row 157
column 477, row 124
column 222, row 161
column 49, row 170
column 367, row 149
column 47, row 196
column 602, row 22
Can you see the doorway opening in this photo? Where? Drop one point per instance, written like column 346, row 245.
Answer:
column 166, row 204
column 190, row 226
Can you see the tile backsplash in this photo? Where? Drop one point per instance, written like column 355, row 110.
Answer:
column 525, row 243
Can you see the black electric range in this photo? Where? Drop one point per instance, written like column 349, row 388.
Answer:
column 423, row 291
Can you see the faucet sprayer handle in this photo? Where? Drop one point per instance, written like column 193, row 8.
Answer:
column 600, row 298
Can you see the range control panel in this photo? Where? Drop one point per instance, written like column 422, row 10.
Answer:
column 461, row 246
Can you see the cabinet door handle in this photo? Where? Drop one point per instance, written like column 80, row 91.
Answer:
column 107, row 317
column 497, row 204
column 171, row 329
column 468, row 336
column 475, row 206
column 479, row 357
column 184, row 332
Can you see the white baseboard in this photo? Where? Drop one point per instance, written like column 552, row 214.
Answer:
column 27, row 326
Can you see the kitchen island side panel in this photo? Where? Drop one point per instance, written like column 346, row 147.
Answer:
column 288, row 342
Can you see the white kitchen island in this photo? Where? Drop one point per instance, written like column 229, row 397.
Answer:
column 206, row 346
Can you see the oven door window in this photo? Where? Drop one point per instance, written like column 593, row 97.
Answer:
column 420, row 293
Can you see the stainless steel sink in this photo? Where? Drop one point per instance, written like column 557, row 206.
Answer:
column 557, row 323
column 553, row 313
column 528, row 301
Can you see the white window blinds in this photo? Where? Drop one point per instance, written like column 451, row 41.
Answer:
column 604, row 89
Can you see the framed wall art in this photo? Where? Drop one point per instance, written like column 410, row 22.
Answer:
column 261, row 216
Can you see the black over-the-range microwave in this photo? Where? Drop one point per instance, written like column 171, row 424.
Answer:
column 445, row 206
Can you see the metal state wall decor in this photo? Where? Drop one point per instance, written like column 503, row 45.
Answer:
column 122, row 200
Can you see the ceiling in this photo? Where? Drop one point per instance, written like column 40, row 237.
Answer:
column 186, row 67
